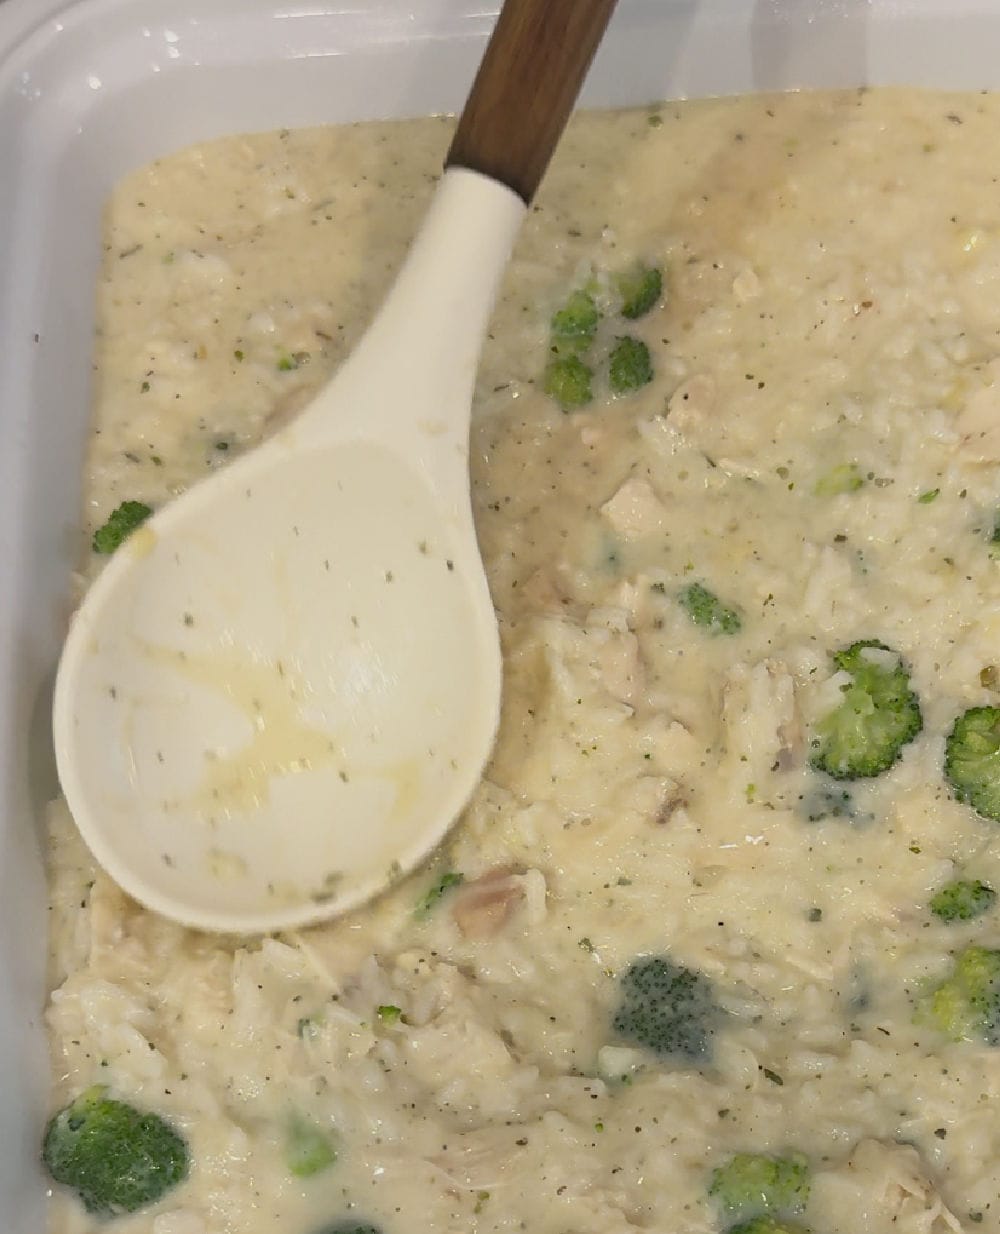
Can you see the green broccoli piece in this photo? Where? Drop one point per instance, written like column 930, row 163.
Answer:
column 706, row 609
column 823, row 802
column 432, row 897
column 574, row 325
column 117, row 1158
column 962, row 900
column 844, row 478
column 639, row 289
column 120, row 524
column 629, row 366
column 752, row 1185
column 351, row 1225
column 667, row 1009
column 966, row 1005
column 865, row 735
column 972, row 760
column 308, row 1150
column 567, row 380
column 767, row 1225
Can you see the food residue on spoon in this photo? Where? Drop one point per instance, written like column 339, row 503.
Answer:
column 271, row 699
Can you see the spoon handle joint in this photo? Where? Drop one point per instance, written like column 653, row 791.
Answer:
column 525, row 89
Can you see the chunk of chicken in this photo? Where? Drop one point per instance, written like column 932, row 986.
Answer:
column 884, row 1186
column 483, row 907
column 635, row 510
column 691, row 403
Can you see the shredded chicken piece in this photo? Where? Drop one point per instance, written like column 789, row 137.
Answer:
column 894, row 1177
column 672, row 799
column 635, row 510
column 483, row 907
column 691, row 402
column 913, row 1201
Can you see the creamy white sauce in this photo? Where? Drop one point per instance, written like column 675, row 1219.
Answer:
column 832, row 268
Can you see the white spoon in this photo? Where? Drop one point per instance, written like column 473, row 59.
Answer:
column 281, row 691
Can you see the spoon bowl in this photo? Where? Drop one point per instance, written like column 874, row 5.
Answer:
column 281, row 691
column 255, row 766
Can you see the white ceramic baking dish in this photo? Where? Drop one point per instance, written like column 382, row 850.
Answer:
column 91, row 88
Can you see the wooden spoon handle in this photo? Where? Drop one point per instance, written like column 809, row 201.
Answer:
column 527, row 83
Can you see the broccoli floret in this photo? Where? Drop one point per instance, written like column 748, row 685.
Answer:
column 963, row 900
column 567, row 380
column 639, row 289
column 972, row 760
column 844, row 478
column 706, row 609
column 121, row 523
column 824, row 802
column 865, row 735
column 435, row 893
column 629, row 366
column 767, row 1225
column 575, row 324
column 351, row 1225
column 117, row 1158
column 308, row 1150
column 666, row 1008
column 966, row 1005
column 751, row 1185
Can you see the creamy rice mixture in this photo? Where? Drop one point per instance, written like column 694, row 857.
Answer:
column 831, row 297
